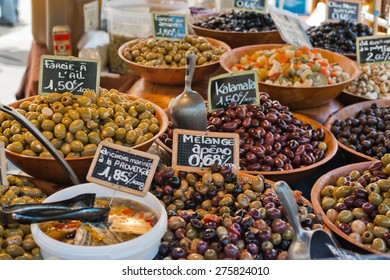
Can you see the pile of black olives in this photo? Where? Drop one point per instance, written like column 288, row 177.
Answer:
column 359, row 205
column 339, row 37
column 221, row 215
column 16, row 241
column 239, row 21
column 367, row 132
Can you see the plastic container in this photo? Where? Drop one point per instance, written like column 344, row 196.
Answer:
column 131, row 19
column 144, row 247
column 80, row 15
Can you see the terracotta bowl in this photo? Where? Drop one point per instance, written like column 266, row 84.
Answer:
column 330, row 178
column 240, row 39
column 296, row 97
column 48, row 169
column 351, row 111
column 173, row 76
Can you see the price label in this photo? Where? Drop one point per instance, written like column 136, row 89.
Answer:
column 194, row 150
column 241, row 87
column 68, row 74
column 373, row 49
column 348, row 10
column 169, row 26
column 123, row 168
column 291, row 28
column 3, row 166
column 255, row 5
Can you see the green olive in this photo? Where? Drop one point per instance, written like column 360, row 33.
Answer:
column 67, row 100
column 58, row 107
column 327, row 191
column 66, row 148
column 73, row 114
column 382, row 220
column 385, row 159
column 57, row 143
column 15, row 147
column 379, row 244
column 372, row 188
column 76, row 125
column 89, row 150
column 379, row 231
column 94, row 138
column 76, row 146
column 328, row 203
column 60, row 131
column 342, row 191
column 375, row 198
column 384, row 184
column 81, row 136
column 85, row 113
column 84, row 100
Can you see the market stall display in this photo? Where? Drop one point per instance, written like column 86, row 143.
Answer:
column 163, row 62
column 362, row 130
column 77, row 130
column 353, row 202
column 297, row 77
column 239, row 28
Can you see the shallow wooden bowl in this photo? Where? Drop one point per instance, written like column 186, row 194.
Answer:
column 239, row 39
column 351, row 111
column 330, row 178
column 48, row 169
column 296, row 97
column 296, row 174
column 347, row 98
column 173, row 76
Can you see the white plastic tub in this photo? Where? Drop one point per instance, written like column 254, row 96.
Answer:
column 144, row 247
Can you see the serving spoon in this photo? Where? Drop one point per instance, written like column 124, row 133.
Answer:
column 188, row 109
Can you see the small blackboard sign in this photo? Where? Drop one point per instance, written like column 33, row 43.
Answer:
column 291, row 28
column 254, row 5
column 195, row 150
column 169, row 26
column 68, row 74
column 348, row 10
column 373, row 49
column 3, row 166
column 123, row 168
column 241, row 87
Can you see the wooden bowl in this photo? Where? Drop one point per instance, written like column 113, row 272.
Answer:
column 348, row 98
column 296, row 97
column 296, row 174
column 173, row 76
column 48, row 169
column 351, row 111
column 240, row 39
column 330, row 178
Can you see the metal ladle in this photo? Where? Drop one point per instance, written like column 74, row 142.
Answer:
column 34, row 131
column 306, row 244
column 188, row 109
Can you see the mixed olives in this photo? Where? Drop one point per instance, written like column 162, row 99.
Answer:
column 339, row 37
column 367, row 132
column 171, row 54
column 359, row 205
column 16, row 241
column 239, row 21
column 271, row 137
column 75, row 125
column 218, row 214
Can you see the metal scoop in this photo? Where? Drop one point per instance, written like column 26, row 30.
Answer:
column 306, row 244
column 188, row 109
column 34, row 131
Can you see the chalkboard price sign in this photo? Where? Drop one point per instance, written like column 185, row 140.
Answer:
column 194, row 150
column 3, row 166
column 348, row 10
column 255, row 5
column 68, row 74
column 242, row 88
column 373, row 49
column 123, row 168
column 290, row 26
column 169, row 26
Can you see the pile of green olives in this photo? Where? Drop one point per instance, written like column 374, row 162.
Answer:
column 75, row 125
column 218, row 214
column 171, row 54
column 359, row 205
column 16, row 241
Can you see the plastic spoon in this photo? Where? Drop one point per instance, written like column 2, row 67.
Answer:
column 34, row 131
column 306, row 244
column 188, row 109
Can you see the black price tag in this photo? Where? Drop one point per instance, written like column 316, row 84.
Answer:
column 3, row 166
column 169, row 26
column 291, row 28
column 123, row 168
column 254, row 5
column 348, row 10
column 68, row 74
column 373, row 49
column 241, row 87
column 195, row 150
